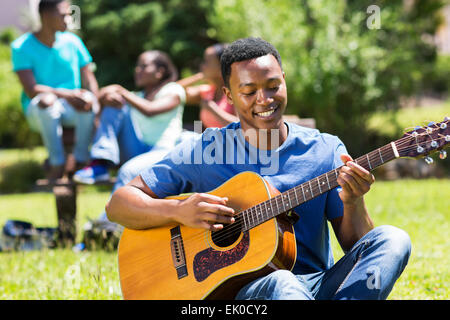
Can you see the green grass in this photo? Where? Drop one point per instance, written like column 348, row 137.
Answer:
column 389, row 123
column 422, row 209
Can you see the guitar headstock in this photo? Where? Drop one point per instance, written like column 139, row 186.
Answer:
column 425, row 140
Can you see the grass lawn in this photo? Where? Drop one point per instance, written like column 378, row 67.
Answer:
column 419, row 207
column 407, row 118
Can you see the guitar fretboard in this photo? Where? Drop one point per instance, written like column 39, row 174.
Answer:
column 294, row 197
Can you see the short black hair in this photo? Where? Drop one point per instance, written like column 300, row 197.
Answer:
column 47, row 5
column 245, row 49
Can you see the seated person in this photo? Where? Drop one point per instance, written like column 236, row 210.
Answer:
column 215, row 110
column 137, row 128
column 52, row 65
column 255, row 85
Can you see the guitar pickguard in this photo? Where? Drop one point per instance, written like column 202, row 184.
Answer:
column 210, row 260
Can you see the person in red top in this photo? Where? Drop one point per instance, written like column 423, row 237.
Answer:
column 215, row 110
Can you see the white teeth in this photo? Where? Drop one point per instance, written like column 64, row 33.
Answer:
column 266, row 114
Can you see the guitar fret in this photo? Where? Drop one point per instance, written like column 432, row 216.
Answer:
column 368, row 161
column 303, row 191
column 381, row 157
column 271, row 208
column 257, row 214
column 264, row 211
column 318, row 183
column 276, row 202
column 281, row 202
column 328, row 181
column 312, row 193
column 243, row 219
column 289, row 199
column 269, row 212
column 296, row 197
column 261, row 213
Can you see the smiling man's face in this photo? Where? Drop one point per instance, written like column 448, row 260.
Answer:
column 257, row 89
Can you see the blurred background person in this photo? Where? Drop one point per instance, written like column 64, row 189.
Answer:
column 53, row 65
column 147, row 123
column 215, row 110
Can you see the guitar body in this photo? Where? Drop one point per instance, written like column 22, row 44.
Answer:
column 199, row 265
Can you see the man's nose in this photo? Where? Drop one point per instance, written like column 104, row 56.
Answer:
column 263, row 97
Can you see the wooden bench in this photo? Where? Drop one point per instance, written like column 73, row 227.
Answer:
column 304, row 122
column 66, row 191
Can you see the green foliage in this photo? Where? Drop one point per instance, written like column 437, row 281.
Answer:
column 20, row 176
column 116, row 32
column 14, row 130
column 337, row 69
column 437, row 79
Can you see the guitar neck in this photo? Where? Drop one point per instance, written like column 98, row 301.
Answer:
column 294, row 197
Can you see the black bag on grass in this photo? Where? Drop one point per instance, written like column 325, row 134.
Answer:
column 23, row 236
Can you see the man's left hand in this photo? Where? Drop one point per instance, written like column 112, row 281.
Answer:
column 354, row 180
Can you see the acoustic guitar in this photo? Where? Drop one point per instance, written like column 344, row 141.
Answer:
column 179, row 262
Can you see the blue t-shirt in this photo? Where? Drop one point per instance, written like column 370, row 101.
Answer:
column 57, row 66
column 208, row 161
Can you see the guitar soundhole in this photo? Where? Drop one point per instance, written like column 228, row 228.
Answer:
column 228, row 235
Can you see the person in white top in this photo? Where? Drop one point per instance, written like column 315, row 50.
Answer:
column 137, row 129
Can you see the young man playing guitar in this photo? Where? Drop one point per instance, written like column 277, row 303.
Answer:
column 255, row 84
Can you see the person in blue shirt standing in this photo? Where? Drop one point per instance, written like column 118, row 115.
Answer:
column 285, row 155
column 53, row 65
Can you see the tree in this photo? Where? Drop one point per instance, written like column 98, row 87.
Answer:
column 117, row 31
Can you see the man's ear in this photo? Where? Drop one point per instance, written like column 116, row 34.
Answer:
column 227, row 93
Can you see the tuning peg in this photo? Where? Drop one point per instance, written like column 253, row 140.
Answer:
column 420, row 149
column 443, row 125
column 447, row 138
column 429, row 160
column 431, row 123
column 434, row 144
column 446, row 118
column 442, row 154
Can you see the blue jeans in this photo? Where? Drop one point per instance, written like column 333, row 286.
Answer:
column 49, row 121
column 117, row 139
column 368, row 271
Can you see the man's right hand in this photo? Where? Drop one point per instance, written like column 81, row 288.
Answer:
column 203, row 210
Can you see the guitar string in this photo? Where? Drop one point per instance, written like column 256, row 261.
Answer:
column 253, row 212
column 233, row 228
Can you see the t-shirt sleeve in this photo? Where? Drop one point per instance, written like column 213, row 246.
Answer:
column 175, row 173
column 173, row 88
column 20, row 59
column 84, row 57
column 334, row 206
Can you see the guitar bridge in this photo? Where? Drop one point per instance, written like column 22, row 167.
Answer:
column 177, row 249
